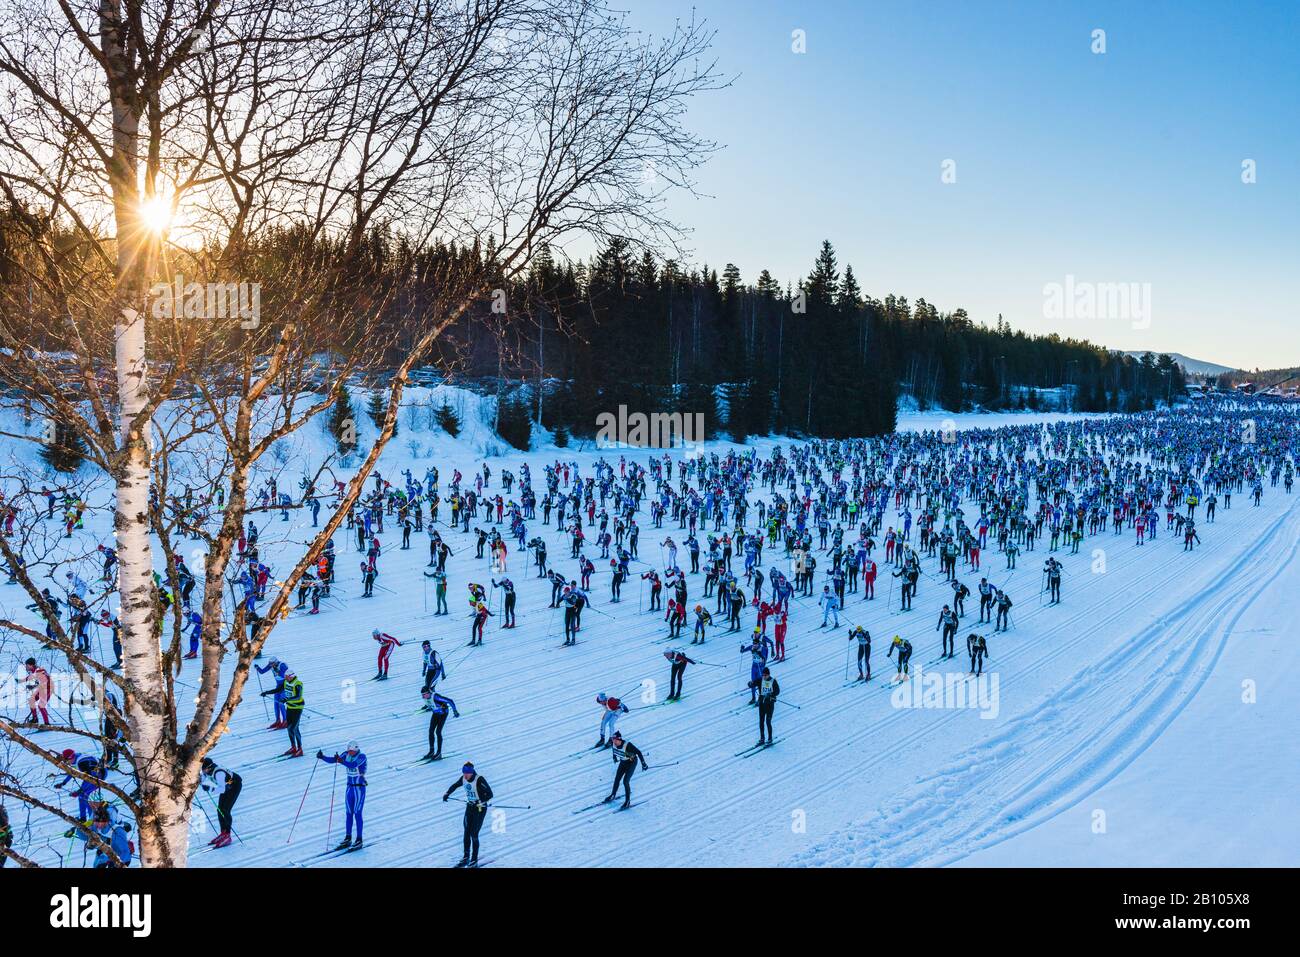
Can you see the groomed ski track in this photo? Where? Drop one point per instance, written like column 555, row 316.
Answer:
column 1084, row 690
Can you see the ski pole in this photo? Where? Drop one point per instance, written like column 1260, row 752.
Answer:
column 232, row 828
column 512, row 807
column 265, row 710
column 329, row 823
column 314, row 765
column 787, row 704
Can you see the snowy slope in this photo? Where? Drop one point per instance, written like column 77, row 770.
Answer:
column 1093, row 695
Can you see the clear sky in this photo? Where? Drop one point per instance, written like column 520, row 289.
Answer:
column 1115, row 167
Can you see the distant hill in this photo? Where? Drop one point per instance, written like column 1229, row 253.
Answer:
column 1192, row 366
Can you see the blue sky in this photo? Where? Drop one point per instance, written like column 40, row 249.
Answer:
column 1121, row 167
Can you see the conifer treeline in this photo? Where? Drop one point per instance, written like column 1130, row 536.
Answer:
column 820, row 357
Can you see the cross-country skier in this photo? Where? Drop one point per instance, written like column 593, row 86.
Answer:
column 38, row 684
column 481, row 615
column 1052, row 569
column 477, row 796
column 508, row 603
column 224, row 787
column 904, row 649
column 386, row 645
column 278, row 670
column 626, row 755
column 948, row 622
column 439, row 705
column 978, row 648
column 863, row 638
column 289, row 693
column 679, row 661
column 610, row 709
column 1003, row 602
column 768, row 689
column 757, row 650
column 354, row 762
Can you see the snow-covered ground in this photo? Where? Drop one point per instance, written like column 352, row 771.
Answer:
column 1115, row 731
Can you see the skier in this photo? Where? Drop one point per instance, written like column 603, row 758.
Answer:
column 610, row 709
column 863, row 638
column 978, row 648
column 1052, row 569
column 778, row 633
column 481, row 615
column 278, row 669
column 439, row 705
column 289, row 693
column 679, row 661
column 477, row 796
column 354, row 762
column 904, row 648
column 757, row 650
column 768, row 689
column 948, row 622
column 111, row 834
column 386, row 645
column 1004, row 611
column 508, row 603
column 224, row 787
column 39, row 687
column 626, row 755
column 702, row 620
column 431, row 668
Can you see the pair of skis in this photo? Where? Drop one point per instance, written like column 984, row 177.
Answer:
column 599, row 804
column 420, row 761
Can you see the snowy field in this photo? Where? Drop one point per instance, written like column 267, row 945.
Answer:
column 1117, row 733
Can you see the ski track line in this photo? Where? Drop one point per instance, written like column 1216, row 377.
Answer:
column 1107, row 737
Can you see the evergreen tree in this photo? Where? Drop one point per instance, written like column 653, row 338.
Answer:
column 66, row 449
column 447, row 419
column 343, row 423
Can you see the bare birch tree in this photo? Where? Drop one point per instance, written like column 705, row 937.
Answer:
column 143, row 140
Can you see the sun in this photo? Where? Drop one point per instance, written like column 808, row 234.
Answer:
column 156, row 214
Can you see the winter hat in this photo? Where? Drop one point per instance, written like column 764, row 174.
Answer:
column 467, row 768
column 602, row 697
column 68, row 754
column 353, row 746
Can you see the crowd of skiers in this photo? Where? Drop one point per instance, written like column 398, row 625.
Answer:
column 759, row 533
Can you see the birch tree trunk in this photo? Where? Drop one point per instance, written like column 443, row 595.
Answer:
column 162, row 827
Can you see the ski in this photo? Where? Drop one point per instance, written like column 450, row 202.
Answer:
column 592, row 807
column 332, row 853
column 417, row 763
